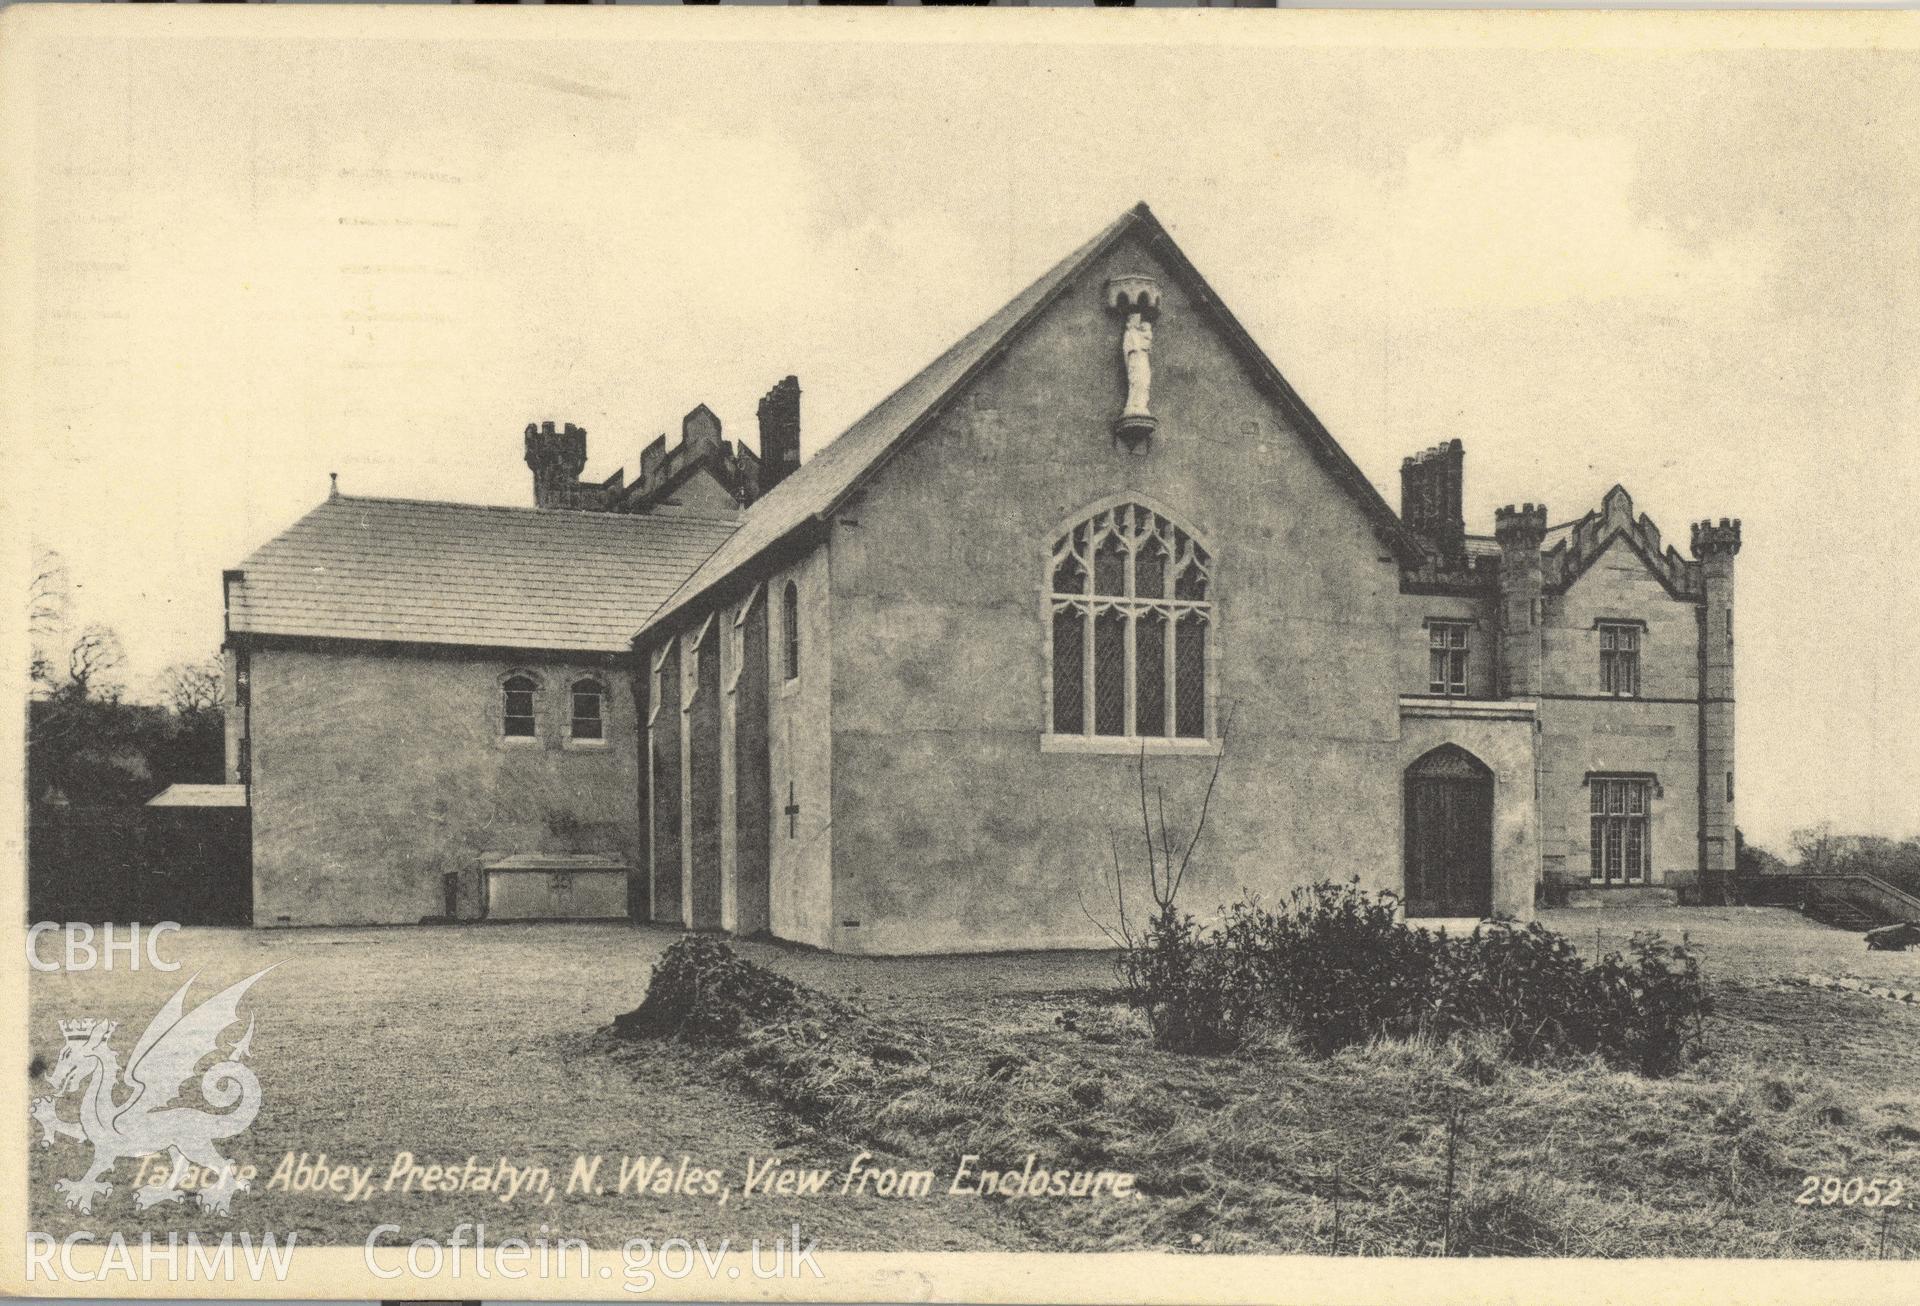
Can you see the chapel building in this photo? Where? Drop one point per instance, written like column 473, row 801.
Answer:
column 894, row 698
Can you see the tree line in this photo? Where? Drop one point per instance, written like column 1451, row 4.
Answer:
column 1820, row 850
column 87, row 743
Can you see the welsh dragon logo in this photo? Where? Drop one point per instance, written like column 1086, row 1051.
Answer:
column 146, row 1122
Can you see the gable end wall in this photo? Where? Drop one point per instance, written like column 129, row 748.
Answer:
column 952, row 829
column 1582, row 731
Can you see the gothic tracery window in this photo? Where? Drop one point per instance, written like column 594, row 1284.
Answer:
column 1131, row 606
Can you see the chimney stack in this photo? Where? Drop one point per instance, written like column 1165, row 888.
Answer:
column 779, row 433
column 1431, row 484
column 556, row 458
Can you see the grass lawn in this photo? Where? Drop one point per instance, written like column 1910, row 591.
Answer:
column 450, row 1042
column 486, row 1041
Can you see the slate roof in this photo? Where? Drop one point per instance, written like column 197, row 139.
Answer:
column 416, row 571
column 818, row 485
column 419, row 571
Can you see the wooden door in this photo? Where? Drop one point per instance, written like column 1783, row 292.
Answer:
column 1449, row 835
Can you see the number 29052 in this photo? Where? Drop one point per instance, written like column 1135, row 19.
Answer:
column 1832, row 1190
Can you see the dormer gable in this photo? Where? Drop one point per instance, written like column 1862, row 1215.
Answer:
column 1573, row 547
column 705, row 470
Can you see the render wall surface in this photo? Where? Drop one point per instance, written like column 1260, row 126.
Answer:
column 234, row 714
column 952, row 828
column 1618, row 586
column 796, row 720
column 800, row 713
column 700, row 693
column 749, row 825
column 701, row 492
column 1583, row 731
column 375, row 774
column 666, row 792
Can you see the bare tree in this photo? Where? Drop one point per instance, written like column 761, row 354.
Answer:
column 49, row 604
column 94, row 663
column 1167, row 859
column 67, row 695
column 192, row 687
column 1815, row 848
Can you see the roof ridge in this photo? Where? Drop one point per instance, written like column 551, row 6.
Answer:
column 843, row 465
column 975, row 345
column 549, row 514
column 472, row 575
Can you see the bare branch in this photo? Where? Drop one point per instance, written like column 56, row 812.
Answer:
column 94, row 659
column 193, row 687
column 1206, row 802
column 1146, row 825
column 49, row 593
column 1098, row 924
column 1166, row 843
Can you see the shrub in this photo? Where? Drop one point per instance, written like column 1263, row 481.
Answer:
column 1525, row 985
column 1194, row 985
column 1651, row 1005
column 1338, row 967
column 1530, row 987
column 1335, row 963
column 700, row 990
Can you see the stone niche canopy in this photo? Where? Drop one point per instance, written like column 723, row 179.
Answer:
column 1134, row 292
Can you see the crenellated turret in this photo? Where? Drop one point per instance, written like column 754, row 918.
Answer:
column 1715, row 545
column 1711, row 541
column 1520, row 532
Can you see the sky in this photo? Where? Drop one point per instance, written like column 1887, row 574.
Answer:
column 1692, row 271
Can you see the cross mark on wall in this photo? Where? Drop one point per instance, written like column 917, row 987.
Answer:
column 792, row 809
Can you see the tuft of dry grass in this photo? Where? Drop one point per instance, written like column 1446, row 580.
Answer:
column 1276, row 1150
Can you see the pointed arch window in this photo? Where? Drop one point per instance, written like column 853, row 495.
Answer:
column 1130, row 600
column 790, row 630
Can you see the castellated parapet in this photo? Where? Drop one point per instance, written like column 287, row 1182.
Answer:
column 1710, row 540
column 557, row 457
column 1524, row 527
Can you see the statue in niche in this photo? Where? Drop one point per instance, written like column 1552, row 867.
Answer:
column 1136, row 344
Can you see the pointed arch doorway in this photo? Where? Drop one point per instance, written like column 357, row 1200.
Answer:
column 1449, row 834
